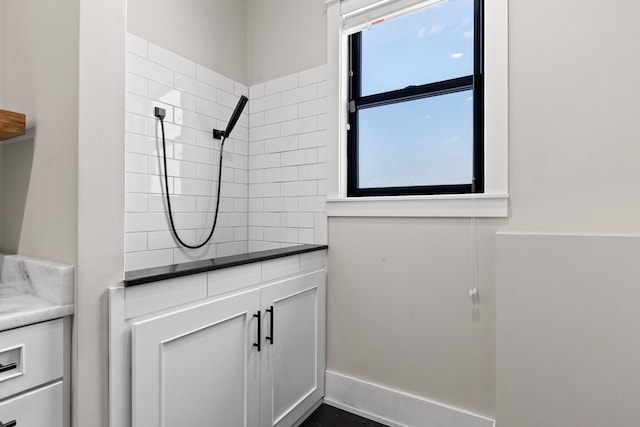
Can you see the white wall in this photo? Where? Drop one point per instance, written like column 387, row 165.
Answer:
column 40, row 79
column 399, row 314
column 284, row 37
column 573, row 116
column 567, row 322
column 573, row 167
column 100, row 201
column 211, row 33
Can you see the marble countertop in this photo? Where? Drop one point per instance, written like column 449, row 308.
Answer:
column 33, row 290
column 21, row 310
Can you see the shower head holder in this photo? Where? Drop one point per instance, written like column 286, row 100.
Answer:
column 218, row 134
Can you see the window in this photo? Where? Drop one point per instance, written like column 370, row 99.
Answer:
column 415, row 92
column 347, row 17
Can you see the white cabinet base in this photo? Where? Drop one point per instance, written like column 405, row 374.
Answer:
column 198, row 363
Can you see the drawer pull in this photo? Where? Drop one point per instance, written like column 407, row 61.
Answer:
column 5, row 368
column 9, row 424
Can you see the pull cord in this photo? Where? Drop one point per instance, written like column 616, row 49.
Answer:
column 166, row 191
column 474, row 291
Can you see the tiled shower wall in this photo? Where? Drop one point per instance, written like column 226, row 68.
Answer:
column 196, row 100
column 274, row 173
column 287, row 161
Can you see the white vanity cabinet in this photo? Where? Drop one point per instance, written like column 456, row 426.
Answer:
column 249, row 354
column 34, row 387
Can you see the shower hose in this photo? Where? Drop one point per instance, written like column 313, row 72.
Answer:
column 166, row 192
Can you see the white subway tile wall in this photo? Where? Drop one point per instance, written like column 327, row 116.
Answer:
column 196, row 100
column 287, row 161
column 274, row 168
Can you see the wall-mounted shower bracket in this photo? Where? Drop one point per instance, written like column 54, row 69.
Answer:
column 159, row 113
column 218, row 134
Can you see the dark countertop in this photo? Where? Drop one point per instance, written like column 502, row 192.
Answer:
column 148, row 275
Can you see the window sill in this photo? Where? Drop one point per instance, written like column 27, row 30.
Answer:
column 443, row 206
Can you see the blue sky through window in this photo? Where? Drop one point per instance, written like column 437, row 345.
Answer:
column 426, row 46
column 427, row 141
column 423, row 142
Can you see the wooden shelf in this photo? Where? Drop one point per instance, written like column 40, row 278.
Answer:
column 11, row 124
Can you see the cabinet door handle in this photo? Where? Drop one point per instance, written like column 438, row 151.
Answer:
column 12, row 423
column 5, row 368
column 270, row 337
column 259, row 339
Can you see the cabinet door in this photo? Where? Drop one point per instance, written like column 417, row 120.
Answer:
column 293, row 363
column 197, row 366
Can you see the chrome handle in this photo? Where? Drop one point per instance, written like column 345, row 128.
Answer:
column 270, row 337
column 259, row 339
column 11, row 423
column 5, row 368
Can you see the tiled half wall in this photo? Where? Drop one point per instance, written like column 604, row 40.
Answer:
column 274, row 167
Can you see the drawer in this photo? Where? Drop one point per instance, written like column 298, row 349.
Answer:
column 31, row 356
column 38, row 408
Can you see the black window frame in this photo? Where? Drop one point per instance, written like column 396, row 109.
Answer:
column 473, row 82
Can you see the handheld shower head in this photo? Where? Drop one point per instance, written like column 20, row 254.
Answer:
column 218, row 134
column 236, row 115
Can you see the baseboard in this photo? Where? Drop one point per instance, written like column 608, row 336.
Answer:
column 392, row 407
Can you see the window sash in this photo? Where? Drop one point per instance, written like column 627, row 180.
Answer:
column 357, row 102
column 415, row 92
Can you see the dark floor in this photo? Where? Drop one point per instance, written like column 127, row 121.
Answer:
column 326, row 416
